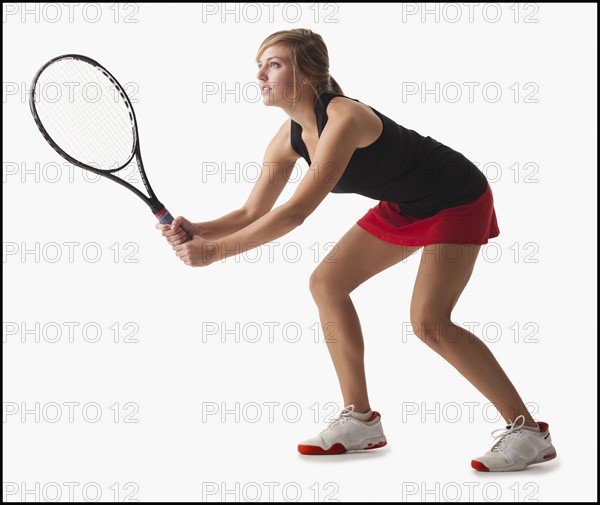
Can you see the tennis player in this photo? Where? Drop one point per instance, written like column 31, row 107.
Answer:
column 431, row 197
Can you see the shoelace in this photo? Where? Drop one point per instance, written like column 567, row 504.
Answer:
column 342, row 417
column 510, row 431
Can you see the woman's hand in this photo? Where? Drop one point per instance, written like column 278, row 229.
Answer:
column 175, row 233
column 197, row 251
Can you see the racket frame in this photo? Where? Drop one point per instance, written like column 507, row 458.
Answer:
column 152, row 201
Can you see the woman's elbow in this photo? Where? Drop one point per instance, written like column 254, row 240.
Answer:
column 296, row 213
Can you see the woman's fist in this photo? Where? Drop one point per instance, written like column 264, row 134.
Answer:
column 177, row 232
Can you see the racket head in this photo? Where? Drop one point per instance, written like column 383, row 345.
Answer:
column 84, row 113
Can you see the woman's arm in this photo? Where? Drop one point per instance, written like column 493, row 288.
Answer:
column 180, row 228
column 337, row 143
column 225, row 225
column 278, row 162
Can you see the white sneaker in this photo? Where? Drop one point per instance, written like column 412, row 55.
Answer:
column 346, row 433
column 516, row 448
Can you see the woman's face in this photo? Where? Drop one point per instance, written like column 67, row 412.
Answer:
column 276, row 77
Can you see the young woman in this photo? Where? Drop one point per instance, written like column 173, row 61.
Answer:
column 430, row 197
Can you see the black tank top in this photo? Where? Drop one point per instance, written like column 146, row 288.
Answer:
column 420, row 174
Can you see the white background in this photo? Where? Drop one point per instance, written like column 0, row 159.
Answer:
column 537, row 277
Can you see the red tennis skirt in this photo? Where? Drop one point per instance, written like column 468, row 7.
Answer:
column 471, row 223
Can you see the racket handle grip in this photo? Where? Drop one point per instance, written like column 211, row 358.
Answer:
column 165, row 217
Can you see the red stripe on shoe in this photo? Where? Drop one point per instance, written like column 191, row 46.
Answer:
column 478, row 465
column 373, row 416
column 315, row 449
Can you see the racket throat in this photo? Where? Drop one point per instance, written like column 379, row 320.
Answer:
column 157, row 208
column 162, row 214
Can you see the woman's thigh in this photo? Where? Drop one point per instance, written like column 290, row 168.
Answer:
column 357, row 257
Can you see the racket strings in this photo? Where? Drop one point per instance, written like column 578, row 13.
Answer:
column 85, row 114
column 108, row 116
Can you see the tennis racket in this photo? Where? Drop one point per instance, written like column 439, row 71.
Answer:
column 86, row 116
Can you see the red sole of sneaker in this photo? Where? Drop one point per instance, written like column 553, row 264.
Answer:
column 316, row 450
column 477, row 465
column 334, row 449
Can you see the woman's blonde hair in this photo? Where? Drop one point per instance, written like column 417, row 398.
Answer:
column 309, row 56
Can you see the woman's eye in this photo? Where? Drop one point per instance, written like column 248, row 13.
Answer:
column 272, row 63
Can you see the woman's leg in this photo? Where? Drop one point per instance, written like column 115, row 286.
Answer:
column 443, row 273
column 357, row 257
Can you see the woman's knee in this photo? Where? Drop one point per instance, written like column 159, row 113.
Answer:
column 431, row 327
column 323, row 284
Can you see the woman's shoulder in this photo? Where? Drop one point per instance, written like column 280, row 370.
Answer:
column 341, row 107
column 338, row 106
column 337, row 101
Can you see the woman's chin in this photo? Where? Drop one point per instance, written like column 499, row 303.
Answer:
column 268, row 100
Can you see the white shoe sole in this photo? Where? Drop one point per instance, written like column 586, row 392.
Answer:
column 369, row 443
column 546, row 455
